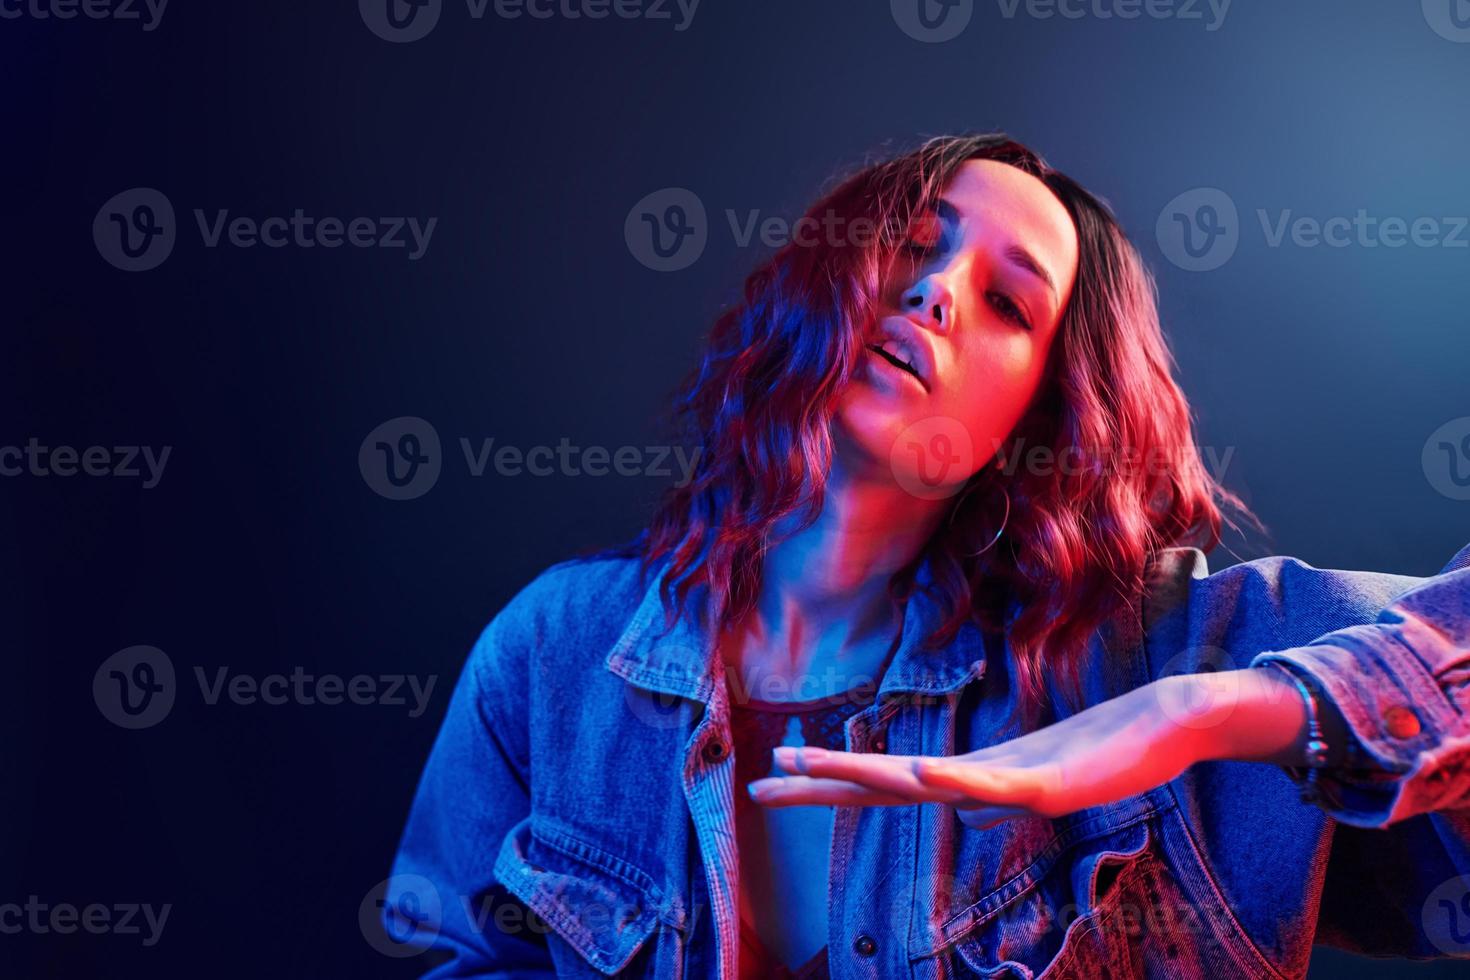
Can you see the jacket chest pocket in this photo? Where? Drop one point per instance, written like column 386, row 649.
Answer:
column 604, row 915
column 1115, row 903
column 1064, row 918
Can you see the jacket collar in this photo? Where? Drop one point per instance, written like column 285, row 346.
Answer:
column 681, row 661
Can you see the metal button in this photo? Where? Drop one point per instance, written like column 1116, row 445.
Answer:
column 715, row 751
column 1401, row 722
column 865, row 945
column 880, row 741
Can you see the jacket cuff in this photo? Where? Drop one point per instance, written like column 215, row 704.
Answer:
column 1402, row 727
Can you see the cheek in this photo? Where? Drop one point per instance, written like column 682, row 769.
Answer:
column 997, row 377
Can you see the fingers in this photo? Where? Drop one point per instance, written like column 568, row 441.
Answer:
column 893, row 775
column 964, row 783
column 779, row 791
column 786, row 791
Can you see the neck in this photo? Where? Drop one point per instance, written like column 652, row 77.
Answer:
column 823, row 621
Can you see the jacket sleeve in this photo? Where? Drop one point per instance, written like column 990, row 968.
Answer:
column 474, row 788
column 1401, row 685
column 1397, row 877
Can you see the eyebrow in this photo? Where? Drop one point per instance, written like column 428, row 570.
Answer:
column 1017, row 254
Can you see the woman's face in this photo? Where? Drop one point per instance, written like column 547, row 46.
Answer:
column 972, row 303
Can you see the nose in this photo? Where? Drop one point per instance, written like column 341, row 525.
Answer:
column 929, row 302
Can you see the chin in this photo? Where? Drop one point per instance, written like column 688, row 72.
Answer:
column 930, row 455
column 866, row 427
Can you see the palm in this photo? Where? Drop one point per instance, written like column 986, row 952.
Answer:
column 1106, row 753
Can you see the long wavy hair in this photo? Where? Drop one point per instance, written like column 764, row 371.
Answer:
column 1075, row 549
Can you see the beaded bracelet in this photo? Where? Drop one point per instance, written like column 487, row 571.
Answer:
column 1316, row 747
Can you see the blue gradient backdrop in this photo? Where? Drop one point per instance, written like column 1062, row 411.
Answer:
column 1323, row 370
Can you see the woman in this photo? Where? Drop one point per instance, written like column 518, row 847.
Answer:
column 923, row 673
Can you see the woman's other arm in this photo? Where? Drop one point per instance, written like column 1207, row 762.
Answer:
column 474, row 789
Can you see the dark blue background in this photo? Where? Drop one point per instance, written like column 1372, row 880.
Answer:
column 529, row 320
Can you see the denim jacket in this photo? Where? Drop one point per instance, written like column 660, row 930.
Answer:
column 576, row 813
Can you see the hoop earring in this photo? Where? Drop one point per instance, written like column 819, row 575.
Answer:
column 1003, row 521
column 955, row 508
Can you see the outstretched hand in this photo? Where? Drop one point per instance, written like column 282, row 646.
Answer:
column 1108, row 752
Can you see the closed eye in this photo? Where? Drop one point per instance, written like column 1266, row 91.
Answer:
column 1008, row 309
column 929, row 231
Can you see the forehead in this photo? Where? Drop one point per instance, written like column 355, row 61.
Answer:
column 1004, row 205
